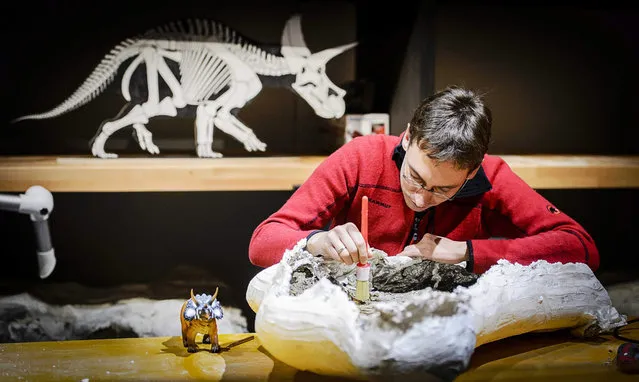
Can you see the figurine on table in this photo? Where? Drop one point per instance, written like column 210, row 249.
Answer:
column 199, row 314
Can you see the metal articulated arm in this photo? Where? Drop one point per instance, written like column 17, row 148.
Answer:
column 37, row 202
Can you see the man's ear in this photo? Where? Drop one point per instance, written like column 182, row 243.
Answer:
column 473, row 173
column 406, row 138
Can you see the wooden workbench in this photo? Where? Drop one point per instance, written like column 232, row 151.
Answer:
column 555, row 356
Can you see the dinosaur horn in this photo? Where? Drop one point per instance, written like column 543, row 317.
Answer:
column 192, row 296
column 215, row 294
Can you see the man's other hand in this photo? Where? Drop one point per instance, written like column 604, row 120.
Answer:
column 438, row 248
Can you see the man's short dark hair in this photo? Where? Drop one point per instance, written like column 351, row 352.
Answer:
column 453, row 125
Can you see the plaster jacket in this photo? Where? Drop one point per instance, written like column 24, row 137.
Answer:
column 496, row 213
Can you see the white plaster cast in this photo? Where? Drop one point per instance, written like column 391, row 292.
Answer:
column 323, row 331
column 219, row 73
column 511, row 299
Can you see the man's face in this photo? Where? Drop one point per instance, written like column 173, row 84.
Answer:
column 426, row 183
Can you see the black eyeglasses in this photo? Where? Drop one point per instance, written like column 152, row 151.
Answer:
column 417, row 186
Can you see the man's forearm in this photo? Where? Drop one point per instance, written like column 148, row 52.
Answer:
column 563, row 246
column 270, row 241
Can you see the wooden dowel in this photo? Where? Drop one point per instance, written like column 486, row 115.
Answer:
column 365, row 219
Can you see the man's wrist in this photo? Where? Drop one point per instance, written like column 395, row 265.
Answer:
column 462, row 252
column 470, row 262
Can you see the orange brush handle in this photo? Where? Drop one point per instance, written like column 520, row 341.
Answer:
column 365, row 219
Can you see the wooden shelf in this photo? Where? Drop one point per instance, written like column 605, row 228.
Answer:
column 87, row 174
column 65, row 174
column 576, row 171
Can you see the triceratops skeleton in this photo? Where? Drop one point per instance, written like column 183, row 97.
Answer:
column 219, row 73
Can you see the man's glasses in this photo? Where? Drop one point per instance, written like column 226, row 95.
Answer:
column 419, row 187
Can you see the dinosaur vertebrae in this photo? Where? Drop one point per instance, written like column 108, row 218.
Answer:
column 101, row 76
column 191, row 34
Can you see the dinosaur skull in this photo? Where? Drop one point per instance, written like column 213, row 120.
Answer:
column 311, row 81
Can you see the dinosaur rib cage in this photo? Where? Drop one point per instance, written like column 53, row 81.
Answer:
column 203, row 74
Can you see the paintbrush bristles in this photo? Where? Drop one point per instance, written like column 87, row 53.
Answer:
column 362, row 288
column 362, row 292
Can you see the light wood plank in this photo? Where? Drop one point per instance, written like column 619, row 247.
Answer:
column 64, row 174
column 576, row 171
column 88, row 174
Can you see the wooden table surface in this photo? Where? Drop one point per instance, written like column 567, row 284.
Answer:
column 555, row 356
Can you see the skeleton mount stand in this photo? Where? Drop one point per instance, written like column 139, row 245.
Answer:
column 37, row 201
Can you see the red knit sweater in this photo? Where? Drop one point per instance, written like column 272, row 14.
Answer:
column 497, row 213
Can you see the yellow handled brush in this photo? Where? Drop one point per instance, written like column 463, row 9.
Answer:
column 362, row 291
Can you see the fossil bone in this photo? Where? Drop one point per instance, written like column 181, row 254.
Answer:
column 305, row 315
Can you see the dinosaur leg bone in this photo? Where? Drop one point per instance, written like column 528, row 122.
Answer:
column 144, row 138
column 142, row 135
column 135, row 115
column 138, row 116
column 170, row 79
column 236, row 97
column 155, row 65
column 226, row 122
column 204, row 132
column 216, row 113
column 151, row 59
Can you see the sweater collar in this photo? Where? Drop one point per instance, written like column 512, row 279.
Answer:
column 476, row 186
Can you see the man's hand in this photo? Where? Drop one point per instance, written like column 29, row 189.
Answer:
column 343, row 243
column 438, row 249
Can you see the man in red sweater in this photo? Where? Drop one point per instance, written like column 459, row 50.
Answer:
column 433, row 192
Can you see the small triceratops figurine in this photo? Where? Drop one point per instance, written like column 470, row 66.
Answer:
column 199, row 315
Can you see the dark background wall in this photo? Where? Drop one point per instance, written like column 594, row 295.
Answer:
column 560, row 80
